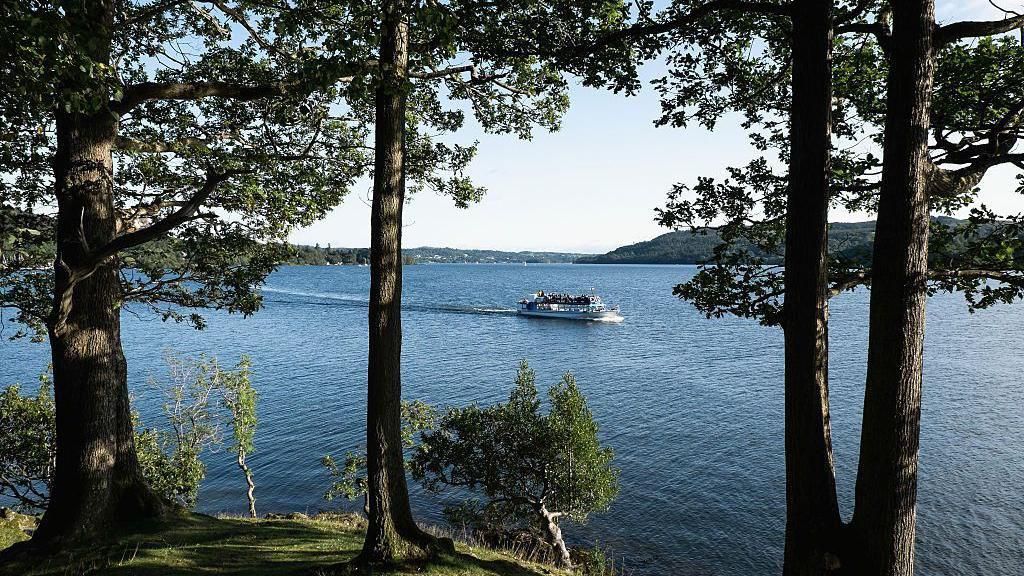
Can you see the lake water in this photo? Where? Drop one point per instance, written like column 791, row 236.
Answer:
column 693, row 407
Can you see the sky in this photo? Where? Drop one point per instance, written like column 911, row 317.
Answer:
column 593, row 185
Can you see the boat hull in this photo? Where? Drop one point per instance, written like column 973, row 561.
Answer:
column 598, row 316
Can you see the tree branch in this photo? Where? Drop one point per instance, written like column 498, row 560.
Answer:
column 144, row 91
column 239, row 17
column 152, row 11
column 879, row 30
column 855, row 12
column 1006, row 276
column 691, row 17
column 849, row 283
column 973, row 29
column 164, row 226
column 452, row 71
column 131, row 145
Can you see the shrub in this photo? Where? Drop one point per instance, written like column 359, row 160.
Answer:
column 531, row 468
column 200, row 399
column 348, row 478
column 27, row 445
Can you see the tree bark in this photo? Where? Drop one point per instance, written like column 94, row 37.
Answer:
column 97, row 481
column 250, row 485
column 812, row 510
column 554, row 533
column 391, row 525
column 886, row 494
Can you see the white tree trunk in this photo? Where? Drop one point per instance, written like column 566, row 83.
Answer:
column 554, row 534
column 248, row 481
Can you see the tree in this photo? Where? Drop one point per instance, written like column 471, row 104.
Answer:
column 163, row 177
column 739, row 56
column 880, row 538
column 418, row 46
column 527, row 464
column 886, row 495
column 170, row 454
column 240, row 399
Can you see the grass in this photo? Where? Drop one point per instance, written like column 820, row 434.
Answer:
column 12, row 527
column 197, row 544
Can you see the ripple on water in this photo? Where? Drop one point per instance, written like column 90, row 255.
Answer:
column 693, row 407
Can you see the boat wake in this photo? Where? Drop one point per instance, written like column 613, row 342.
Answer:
column 353, row 301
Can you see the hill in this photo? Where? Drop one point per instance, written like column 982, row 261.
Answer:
column 318, row 256
column 686, row 247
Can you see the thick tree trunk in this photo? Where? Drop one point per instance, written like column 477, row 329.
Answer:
column 97, row 481
column 812, row 511
column 554, row 534
column 391, row 524
column 886, row 494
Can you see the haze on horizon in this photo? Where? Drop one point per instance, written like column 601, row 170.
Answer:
column 592, row 186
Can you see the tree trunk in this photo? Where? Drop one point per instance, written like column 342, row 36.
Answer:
column 97, row 481
column 812, row 510
column 250, row 485
column 886, row 492
column 550, row 522
column 391, row 525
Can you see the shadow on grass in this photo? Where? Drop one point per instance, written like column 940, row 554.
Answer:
column 197, row 544
column 202, row 544
column 496, row 567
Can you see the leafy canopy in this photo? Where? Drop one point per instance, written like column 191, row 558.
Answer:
column 215, row 139
column 257, row 118
column 742, row 64
column 519, row 458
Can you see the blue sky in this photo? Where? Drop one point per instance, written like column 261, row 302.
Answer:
column 593, row 185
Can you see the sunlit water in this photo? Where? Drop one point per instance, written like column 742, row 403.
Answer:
column 693, row 407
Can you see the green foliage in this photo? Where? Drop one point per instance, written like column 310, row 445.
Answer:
column 275, row 158
column 348, row 479
column 200, row 400
column 172, row 471
column 519, row 458
column 317, row 256
column 240, row 399
column 14, row 527
column 741, row 64
column 27, row 447
column 593, row 562
column 171, row 458
column 285, row 139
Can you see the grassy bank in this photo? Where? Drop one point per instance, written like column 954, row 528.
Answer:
column 197, row 544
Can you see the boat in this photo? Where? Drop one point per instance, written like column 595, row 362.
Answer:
column 568, row 307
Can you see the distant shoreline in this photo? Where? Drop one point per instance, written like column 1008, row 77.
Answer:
column 304, row 265
column 317, row 255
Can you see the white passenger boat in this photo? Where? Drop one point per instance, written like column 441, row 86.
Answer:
column 568, row 307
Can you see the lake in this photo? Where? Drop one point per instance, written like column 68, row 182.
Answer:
column 693, row 407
